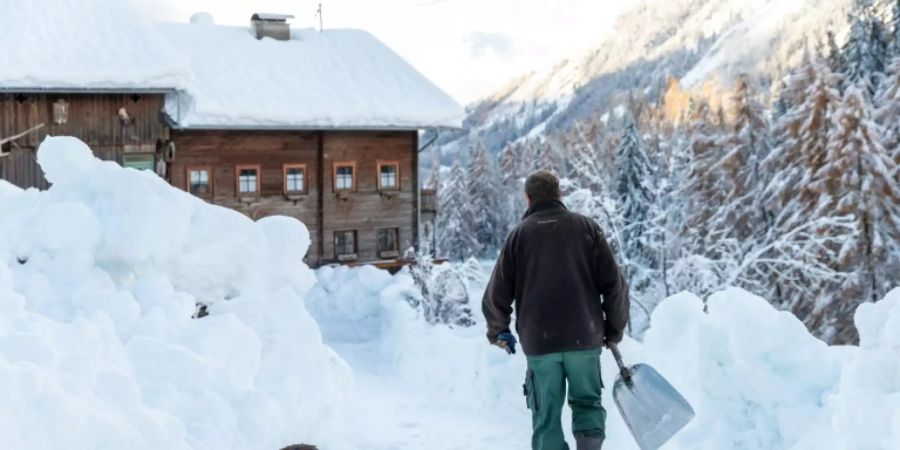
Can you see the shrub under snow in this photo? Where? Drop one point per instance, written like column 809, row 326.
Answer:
column 99, row 279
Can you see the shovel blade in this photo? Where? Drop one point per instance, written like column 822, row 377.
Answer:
column 653, row 410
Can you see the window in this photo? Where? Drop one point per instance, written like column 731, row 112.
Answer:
column 199, row 182
column 388, row 242
column 60, row 112
column 139, row 161
column 247, row 179
column 345, row 244
column 388, row 175
column 344, row 176
column 294, row 178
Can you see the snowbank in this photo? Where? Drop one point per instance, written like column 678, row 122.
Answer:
column 756, row 378
column 99, row 278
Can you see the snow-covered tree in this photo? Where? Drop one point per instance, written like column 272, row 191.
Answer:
column 484, row 193
column 745, row 147
column 510, row 164
column 444, row 292
column 866, row 52
column 895, row 28
column 802, row 139
column 584, row 166
column 804, row 269
column 859, row 179
column 703, row 190
column 636, row 192
column 511, row 186
column 550, row 158
column 888, row 110
column 434, row 178
column 456, row 216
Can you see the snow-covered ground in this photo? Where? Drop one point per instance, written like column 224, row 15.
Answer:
column 100, row 275
column 756, row 378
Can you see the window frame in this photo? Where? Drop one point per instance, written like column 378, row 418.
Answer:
column 383, row 253
column 383, row 163
column 237, row 180
column 288, row 166
column 209, row 179
column 346, row 256
column 338, row 164
column 152, row 155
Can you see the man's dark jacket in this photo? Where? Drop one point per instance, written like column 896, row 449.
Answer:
column 556, row 265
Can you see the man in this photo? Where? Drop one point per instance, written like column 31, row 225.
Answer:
column 555, row 267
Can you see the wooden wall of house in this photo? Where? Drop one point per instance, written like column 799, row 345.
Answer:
column 93, row 118
column 365, row 209
column 223, row 151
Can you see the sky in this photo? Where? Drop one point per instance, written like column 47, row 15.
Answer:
column 470, row 48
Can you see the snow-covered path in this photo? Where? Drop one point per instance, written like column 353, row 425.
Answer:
column 416, row 386
column 388, row 414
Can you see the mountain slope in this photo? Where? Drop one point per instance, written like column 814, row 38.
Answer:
column 696, row 41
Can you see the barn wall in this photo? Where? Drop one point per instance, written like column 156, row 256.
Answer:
column 93, row 118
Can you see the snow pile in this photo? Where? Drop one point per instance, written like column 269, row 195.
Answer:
column 99, row 278
column 867, row 402
column 77, row 44
column 756, row 378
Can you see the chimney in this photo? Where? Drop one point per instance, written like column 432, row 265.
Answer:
column 273, row 26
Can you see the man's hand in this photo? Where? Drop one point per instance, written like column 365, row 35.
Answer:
column 507, row 342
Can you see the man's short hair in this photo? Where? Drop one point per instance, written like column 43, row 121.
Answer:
column 542, row 185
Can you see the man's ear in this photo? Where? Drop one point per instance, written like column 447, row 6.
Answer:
column 528, row 200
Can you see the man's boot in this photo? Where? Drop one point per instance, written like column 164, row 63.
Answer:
column 588, row 442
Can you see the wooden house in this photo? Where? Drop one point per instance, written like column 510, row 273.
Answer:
column 321, row 126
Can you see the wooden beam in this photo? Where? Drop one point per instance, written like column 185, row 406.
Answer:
column 22, row 134
column 320, row 191
column 417, row 193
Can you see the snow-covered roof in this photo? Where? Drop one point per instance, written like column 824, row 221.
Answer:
column 328, row 79
column 217, row 76
column 84, row 45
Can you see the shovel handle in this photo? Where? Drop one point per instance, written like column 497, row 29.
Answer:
column 623, row 371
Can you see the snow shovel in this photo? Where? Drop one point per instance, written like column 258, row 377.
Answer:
column 653, row 410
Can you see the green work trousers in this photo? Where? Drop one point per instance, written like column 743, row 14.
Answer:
column 545, row 391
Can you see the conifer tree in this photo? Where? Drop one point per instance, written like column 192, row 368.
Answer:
column 895, row 28
column 866, row 53
column 484, row 193
column 746, row 147
column 858, row 179
column 888, row 110
column 511, row 178
column 703, row 190
column 509, row 164
column 584, row 166
column 550, row 158
column 803, row 139
column 456, row 216
column 636, row 198
column 434, row 178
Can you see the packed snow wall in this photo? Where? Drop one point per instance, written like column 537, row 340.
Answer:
column 100, row 277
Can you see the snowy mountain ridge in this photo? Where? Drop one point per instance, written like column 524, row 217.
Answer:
column 695, row 41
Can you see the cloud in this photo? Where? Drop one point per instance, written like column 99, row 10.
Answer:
column 480, row 43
